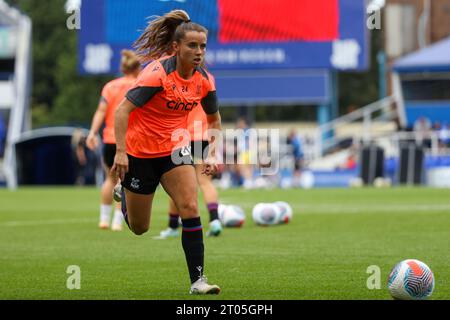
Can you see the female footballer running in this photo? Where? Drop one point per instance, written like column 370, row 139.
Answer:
column 147, row 127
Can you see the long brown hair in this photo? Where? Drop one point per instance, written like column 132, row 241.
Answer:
column 129, row 63
column 157, row 38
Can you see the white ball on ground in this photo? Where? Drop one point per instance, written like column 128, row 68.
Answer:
column 220, row 210
column 285, row 211
column 378, row 182
column 266, row 214
column 231, row 215
column 411, row 279
column 356, row 182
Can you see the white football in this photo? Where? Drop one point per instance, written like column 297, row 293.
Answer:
column 266, row 214
column 220, row 210
column 231, row 215
column 286, row 211
column 411, row 280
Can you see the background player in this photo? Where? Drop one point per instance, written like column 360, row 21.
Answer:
column 197, row 125
column 112, row 94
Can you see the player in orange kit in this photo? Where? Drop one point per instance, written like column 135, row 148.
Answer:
column 148, row 124
column 112, row 94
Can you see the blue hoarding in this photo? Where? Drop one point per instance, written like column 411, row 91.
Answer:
column 252, row 37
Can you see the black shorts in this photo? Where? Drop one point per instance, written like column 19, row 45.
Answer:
column 144, row 174
column 109, row 151
column 199, row 149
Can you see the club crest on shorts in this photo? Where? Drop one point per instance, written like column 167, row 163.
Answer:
column 185, row 151
column 134, row 183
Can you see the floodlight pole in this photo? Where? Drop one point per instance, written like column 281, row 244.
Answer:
column 381, row 58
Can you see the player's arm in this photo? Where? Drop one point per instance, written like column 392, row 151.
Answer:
column 214, row 127
column 81, row 155
column 147, row 85
column 120, row 166
column 99, row 116
column 211, row 107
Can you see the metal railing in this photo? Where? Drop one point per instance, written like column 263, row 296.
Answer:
column 430, row 142
column 381, row 110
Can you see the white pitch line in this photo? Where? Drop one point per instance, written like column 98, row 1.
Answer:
column 298, row 209
column 333, row 208
column 21, row 223
column 382, row 207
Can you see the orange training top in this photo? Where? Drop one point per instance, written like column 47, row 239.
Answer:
column 197, row 124
column 164, row 100
column 113, row 93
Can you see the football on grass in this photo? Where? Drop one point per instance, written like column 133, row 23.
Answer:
column 411, row 280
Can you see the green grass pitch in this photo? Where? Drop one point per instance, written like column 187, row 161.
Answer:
column 323, row 253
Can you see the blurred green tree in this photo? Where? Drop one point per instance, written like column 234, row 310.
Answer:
column 59, row 95
column 358, row 89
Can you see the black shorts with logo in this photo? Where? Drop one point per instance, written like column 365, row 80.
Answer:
column 109, row 152
column 144, row 174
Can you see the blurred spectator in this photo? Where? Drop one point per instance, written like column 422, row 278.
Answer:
column 443, row 133
column 2, row 135
column 80, row 157
column 394, row 109
column 294, row 141
column 350, row 164
column 351, row 108
column 422, row 130
column 244, row 168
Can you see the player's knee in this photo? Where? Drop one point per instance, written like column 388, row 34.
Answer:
column 189, row 208
column 139, row 229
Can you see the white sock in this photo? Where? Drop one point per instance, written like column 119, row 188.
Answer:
column 105, row 212
column 118, row 217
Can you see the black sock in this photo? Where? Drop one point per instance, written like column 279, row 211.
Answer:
column 212, row 209
column 192, row 241
column 173, row 220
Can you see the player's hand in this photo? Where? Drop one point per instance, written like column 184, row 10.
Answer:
column 92, row 141
column 209, row 166
column 120, row 166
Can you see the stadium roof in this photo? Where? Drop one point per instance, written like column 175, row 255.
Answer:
column 48, row 132
column 8, row 15
column 434, row 58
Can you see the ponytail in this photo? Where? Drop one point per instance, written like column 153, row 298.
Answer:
column 156, row 40
column 129, row 63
